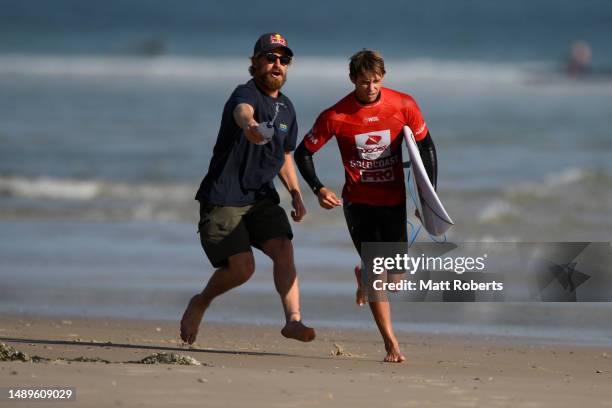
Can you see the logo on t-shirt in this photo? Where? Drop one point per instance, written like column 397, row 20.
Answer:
column 377, row 176
column 373, row 140
column 373, row 145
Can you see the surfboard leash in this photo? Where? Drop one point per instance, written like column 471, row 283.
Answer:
column 415, row 233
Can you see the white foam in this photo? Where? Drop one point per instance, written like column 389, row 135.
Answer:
column 551, row 184
column 498, row 211
column 83, row 190
column 493, row 239
column 45, row 187
column 233, row 68
column 448, row 76
column 124, row 67
column 566, row 177
column 100, row 200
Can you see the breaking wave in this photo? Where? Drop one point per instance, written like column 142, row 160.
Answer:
column 95, row 199
column 67, row 189
column 216, row 69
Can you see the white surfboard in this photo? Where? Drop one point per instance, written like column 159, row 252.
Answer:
column 434, row 217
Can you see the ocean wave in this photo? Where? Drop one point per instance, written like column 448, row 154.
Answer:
column 484, row 238
column 568, row 176
column 498, row 212
column 84, row 190
column 557, row 184
column 571, row 201
column 48, row 188
column 95, row 199
column 118, row 67
column 50, row 197
column 220, row 68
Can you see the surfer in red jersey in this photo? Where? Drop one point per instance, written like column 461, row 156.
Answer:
column 367, row 124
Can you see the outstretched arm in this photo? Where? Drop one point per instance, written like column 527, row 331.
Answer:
column 289, row 179
column 305, row 163
column 243, row 115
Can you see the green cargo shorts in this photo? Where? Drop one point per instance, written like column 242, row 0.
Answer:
column 226, row 231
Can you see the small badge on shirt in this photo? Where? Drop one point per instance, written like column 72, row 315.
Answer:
column 283, row 127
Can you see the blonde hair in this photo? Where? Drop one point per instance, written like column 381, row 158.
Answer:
column 366, row 61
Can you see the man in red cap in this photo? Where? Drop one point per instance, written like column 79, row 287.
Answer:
column 239, row 206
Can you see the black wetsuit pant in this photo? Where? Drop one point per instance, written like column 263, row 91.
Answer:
column 374, row 223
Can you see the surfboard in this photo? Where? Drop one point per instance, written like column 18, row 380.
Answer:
column 434, row 217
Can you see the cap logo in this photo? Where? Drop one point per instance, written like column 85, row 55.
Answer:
column 278, row 39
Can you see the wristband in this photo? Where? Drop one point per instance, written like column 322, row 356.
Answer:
column 317, row 188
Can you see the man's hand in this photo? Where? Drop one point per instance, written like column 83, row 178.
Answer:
column 252, row 133
column 244, row 117
column 299, row 211
column 328, row 199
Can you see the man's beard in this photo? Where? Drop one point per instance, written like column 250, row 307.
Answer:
column 271, row 83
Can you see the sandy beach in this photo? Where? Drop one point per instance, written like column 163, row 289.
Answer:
column 254, row 366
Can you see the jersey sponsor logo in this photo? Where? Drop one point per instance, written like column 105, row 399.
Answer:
column 372, row 119
column 373, row 140
column 375, row 164
column 278, row 39
column 373, row 145
column 377, row 176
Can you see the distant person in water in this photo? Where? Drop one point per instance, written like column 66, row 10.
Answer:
column 579, row 60
column 239, row 206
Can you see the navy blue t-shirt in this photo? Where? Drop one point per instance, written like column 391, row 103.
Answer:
column 241, row 172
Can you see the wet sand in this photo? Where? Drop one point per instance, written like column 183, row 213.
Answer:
column 255, row 366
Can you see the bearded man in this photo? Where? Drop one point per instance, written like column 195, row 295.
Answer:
column 239, row 206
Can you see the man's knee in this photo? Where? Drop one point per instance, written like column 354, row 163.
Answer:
column 280, row 250
column 242, row 266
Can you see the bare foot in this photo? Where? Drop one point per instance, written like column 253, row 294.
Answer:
column 360, row 297
column 190, row 323
column 296, row 330
column 394, row 355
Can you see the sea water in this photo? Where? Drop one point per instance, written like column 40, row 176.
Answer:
column 109, row 112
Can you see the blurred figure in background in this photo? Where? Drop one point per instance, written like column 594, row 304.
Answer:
column 579, row 60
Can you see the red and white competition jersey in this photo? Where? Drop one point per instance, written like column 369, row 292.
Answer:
column 370, row 141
